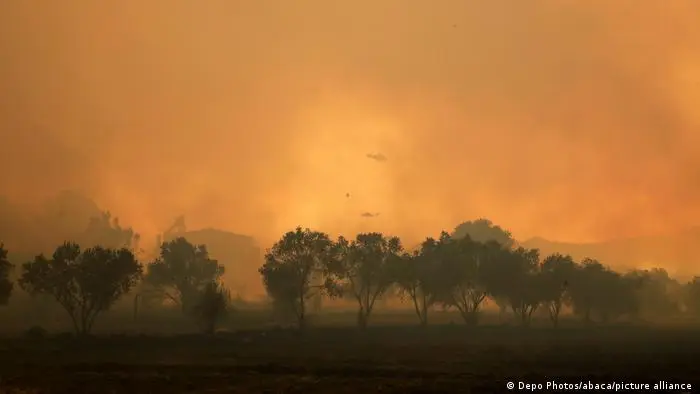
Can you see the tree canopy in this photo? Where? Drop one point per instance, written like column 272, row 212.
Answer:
column 84, row 283
column 362, row 269
column 483, row 230
column 182, row 272
column 290, row 266
column 6, row 285
column 692, row 296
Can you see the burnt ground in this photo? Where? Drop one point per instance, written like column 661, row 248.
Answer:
column 451, row 359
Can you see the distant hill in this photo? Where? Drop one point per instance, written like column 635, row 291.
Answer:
column 223, row 245
column 239, row 254
column 678, row 252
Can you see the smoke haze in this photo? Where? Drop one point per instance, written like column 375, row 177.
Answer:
column 571, row 120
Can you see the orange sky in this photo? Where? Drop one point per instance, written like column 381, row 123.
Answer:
column 572, row 120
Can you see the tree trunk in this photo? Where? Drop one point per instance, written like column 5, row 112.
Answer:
column 554, row 309
column 76, row 326
column 362, row 318
column 530, row 312
column 554, row 314
column 302, row 313
column 421, row 308
column 136, row 305
column 470, row 316
column 84, row 324
column 423, row 320
column 526, row 314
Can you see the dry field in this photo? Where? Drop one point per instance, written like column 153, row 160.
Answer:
column 386, row 359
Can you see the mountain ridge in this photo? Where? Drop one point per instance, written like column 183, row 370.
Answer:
column 674, row 251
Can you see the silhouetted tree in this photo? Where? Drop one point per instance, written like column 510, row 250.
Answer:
column 656, row 292
column 692, row 296
column 212, row 306
column 458, row 279
column 182, row 271
column 584, row 295
column 5, row 283
column 556, row 272
column 522, row 282
column 289, row 268
column 619, row 297
column 483, row 230
column 84, row 284
column 363, row 269
column 414, row 276
column 597, row 290
column 491, row 272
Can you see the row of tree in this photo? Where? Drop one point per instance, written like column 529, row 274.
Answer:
column 86, row 283
column 477, row 263
column 456, row 271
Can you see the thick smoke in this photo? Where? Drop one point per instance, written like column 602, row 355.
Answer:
column 573, row 120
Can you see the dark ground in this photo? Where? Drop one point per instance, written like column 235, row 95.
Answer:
column 447, row 358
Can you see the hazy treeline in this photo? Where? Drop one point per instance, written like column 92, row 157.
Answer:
column 462, row 270
column 477, row 263
column 85, row 283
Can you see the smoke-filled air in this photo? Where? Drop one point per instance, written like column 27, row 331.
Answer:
column 188, row 153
